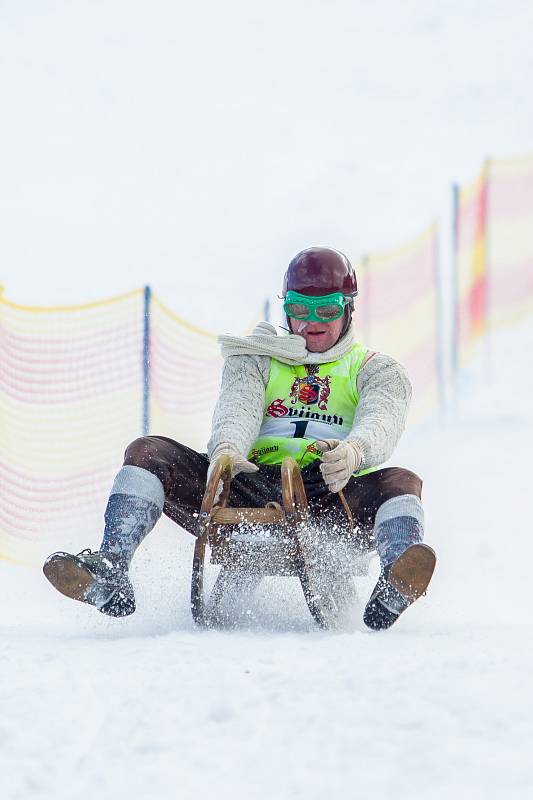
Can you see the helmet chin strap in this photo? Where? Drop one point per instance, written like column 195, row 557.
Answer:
column 300, row 326
column 347, row 322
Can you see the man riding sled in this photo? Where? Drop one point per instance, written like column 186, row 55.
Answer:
column 315, row 394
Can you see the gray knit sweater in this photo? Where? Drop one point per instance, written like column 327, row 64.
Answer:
column 384, row 394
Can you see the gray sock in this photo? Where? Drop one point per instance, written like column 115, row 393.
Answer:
column 134, row 506
column 399, row 524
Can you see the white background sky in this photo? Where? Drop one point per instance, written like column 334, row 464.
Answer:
column 198, row 146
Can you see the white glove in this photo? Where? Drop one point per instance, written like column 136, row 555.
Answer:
column 340, row 460
column 238, row 461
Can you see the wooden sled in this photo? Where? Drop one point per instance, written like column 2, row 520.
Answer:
column 255, row 541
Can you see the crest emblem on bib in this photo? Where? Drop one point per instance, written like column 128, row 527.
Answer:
column 311, row 390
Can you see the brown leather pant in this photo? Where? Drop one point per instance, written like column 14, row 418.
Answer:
column 183, row 473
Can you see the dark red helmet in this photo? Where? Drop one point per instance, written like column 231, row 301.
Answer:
column 318, row 271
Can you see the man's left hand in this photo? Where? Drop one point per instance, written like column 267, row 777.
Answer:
column 340, row 460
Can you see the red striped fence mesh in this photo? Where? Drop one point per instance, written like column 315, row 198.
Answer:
column 399, row 314
column 493, row 252
column 72, row 395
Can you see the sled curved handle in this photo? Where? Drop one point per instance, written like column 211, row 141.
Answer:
column 221, row 472
column 293, row 489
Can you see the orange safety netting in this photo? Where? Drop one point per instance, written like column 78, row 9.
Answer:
column 471, row 265
column 510, row 240
column 493, row 252
column 398, row 313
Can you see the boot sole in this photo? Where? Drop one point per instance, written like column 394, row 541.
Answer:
column 68, row 576
column 413, row 570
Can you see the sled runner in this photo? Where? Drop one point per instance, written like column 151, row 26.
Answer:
column 249, row 543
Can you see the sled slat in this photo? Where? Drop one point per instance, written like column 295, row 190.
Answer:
column 236, row 516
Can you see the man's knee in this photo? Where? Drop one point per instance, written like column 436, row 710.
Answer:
column 181, row 470
column 153, row 453
column 396, row 481
column 140, row 452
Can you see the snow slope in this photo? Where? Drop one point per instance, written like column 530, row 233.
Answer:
column 440, row 706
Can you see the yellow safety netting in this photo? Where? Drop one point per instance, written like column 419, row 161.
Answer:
column 398, row 313
column 493, row 251
column 77, row 384
column 510, row 240
column 471, row 266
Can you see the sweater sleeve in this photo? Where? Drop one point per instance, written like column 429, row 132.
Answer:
column 240, row 406
column 384, row 396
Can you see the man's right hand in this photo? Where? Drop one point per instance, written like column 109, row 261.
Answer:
column 238, row 462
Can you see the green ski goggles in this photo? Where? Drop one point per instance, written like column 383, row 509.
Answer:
column 315, row 309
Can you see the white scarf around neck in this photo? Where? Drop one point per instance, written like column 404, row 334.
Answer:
column 287, row 348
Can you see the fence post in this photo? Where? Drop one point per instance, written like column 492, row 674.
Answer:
column 439, row 326
column 487, row 311
column 455, row 285
column 146, row 362
column 455, row 299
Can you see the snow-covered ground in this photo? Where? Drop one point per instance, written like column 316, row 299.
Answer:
column 440, row 706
